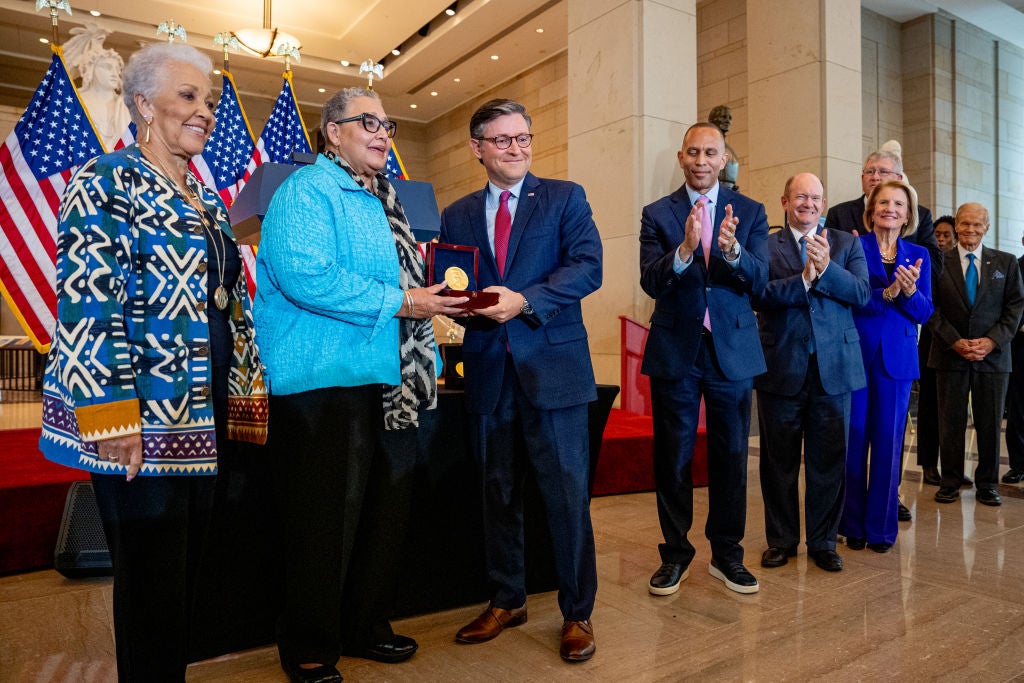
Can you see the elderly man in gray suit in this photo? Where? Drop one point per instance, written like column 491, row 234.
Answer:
column 978, row 303
column 815, row 279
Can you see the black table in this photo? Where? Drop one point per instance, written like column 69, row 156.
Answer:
column 240, row 587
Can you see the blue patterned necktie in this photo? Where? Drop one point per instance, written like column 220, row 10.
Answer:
column 971, row 279
column 803, row 250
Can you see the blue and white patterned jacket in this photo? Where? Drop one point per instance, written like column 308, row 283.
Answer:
column 130, row 353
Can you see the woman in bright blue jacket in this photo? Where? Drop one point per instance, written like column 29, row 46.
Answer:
column 343, row 318
column 900, row 279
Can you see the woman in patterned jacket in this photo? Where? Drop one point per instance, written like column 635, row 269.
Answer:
column 153, row 369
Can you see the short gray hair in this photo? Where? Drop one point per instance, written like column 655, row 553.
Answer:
column 491, row 110
column 334, row 108
column 897, row 162
column 146, row 71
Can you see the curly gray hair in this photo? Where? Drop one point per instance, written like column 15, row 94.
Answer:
column 334, row 108
column 146, row 71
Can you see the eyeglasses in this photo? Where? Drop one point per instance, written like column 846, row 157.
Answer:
column 523, row 140
column 881, row 172
column 372, row 124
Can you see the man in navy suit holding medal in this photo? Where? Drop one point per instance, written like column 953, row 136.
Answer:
column 528, row 374
column 703, row 253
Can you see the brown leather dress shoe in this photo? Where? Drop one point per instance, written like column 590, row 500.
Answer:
column 577, row 641
column 489, row 624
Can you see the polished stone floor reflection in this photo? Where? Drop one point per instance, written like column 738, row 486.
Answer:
column 946, row 603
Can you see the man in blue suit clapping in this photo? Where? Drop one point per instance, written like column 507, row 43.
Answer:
column 702, row 254
column 815, row 279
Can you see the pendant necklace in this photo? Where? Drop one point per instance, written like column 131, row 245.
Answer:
column 220, row 295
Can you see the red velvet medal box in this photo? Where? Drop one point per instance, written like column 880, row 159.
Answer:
column 441, row 257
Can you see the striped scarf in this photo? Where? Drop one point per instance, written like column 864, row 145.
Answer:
column 415, row 337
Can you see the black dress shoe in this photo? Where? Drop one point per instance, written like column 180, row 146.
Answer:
column 930, row 475
column 828, row 560
column 1013, row 476
column 966, row 481
column 880, row 547
column 988, row 497
column 323, row 673
column 398, row 649
column 776, row 557
column 946, row 494
column 734, row 575
column 668, row 577
column 903, row 512
column 854, row 543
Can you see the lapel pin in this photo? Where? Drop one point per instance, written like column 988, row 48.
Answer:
column 529, row 194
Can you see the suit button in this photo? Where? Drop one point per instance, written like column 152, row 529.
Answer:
column 204, row 392
column 202, row 351
column 200, row 306
column 201, row 267
column 198, row 230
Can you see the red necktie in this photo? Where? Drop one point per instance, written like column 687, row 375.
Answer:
column 502, row 230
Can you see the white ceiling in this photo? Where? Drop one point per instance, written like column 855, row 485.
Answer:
column 459, row 47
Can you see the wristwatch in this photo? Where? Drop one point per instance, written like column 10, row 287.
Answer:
column 527, row 309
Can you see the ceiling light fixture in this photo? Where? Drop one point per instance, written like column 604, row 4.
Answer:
column 345, row 62
column 321, row 89
column 396, row 52
column 494, row 57
column 451, row 10
column 540, row 30
column 457, row 80
column 95, row 12
column 216, row 72
column 44, row 41
column 433, row 93
column 412, row 106
column 267, row 41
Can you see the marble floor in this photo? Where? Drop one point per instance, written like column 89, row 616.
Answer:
column 946, row 603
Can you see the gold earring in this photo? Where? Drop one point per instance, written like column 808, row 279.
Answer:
column 149, row 122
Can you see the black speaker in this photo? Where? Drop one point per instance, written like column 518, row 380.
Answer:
column 81, row 545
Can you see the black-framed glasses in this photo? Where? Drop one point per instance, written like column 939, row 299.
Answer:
column 523, row 140
column 372, row 124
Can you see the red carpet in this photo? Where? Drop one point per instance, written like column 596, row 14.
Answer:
column 626, row 464
column 32, row 493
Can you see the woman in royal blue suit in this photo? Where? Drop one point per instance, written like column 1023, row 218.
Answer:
column 900, row 279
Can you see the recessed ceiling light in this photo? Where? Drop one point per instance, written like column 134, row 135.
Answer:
column 94, row 12
column 450, row 12
column 494, row 57
column 457, row 80
column 412, row 106
column 217, row 72
column 345, row 62
column 540, row 30
column 321, row 89
column 433, row 93
column 44, row 41
column 396, row 52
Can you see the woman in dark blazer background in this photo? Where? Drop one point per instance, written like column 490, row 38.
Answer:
column 900, row 280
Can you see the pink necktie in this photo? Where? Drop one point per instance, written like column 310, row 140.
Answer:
column 502, row 230
column 705, row 242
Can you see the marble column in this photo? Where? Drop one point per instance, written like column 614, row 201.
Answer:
column 804, row 97
column 632, row 94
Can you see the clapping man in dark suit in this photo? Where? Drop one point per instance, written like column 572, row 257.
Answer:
column 528, row 374
column 978, row 303
column 701, row 271
column 815, row 279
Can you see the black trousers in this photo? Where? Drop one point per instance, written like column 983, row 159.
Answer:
column 156, row 529
column 555, row 445
column 676, row 410
column 819, row 423
column 987, row 391
column 344, row 487
column 1015, row 413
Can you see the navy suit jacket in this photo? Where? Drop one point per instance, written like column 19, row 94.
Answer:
column 790, row 317
column 681, row 299
column 849, row 216
column 995, row 314
column 890, row 330
column 554, row 260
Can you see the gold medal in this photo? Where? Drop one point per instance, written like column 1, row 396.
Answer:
column 456, row 278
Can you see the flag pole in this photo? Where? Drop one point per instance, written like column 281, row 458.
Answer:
column 54, row 6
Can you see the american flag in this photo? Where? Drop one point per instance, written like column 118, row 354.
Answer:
column 50, row 141
column 224, row 159
column 284, row 133
column 395, row 168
